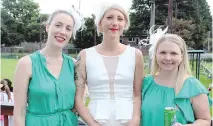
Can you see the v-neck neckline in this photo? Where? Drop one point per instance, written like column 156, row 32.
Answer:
column 44, row 62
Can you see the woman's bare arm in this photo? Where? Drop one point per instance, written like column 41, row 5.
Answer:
column 201, row 109
column 21, row 79
column 139, row 70
column 80, row 80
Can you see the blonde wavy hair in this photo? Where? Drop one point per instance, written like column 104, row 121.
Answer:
column 183, row 69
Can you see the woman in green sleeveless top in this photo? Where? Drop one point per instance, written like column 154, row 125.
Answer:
column 171, row 85
column 44, row 81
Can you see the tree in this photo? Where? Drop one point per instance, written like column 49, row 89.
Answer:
column 86, row 38
column 42, row 20
column 8, row 26
column 202, row 19
column 24, row 14
column 185, row 29
column 22, row 10
column 195, row 11
column 139, row 18
column 208, row 44
column 198, row 12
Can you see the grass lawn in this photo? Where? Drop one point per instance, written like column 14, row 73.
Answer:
column 209, row 65
column 7, row 68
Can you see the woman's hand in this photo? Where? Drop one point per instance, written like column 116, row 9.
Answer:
column 94, row 124
column 134, row 122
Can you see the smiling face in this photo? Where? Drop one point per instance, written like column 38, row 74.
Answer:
column 60, row 30
column 168, row 56
column 113, row 23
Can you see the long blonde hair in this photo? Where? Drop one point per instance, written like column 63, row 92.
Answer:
column 183, row 68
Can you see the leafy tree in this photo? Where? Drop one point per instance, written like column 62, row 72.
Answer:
column 86, row 38
column 24, row 14
column 9, row 25
column 195, row 11
column 185, row 29
column 203, row 21
column 139, row 18
column 42, row 20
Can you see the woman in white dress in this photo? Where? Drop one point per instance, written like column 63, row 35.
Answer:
column 113, row 73
column 6, row 90
column 6, row 96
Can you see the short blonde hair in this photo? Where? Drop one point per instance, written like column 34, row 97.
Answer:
column 183, row 68
column 107, row 7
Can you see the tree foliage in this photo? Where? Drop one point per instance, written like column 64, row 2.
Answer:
column 86, row 38
column 20, row 21
column 195, row 13
column 185, row 29
column 9, row 26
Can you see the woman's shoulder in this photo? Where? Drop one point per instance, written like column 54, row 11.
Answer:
column 194, row 83
column 192, row 87
column 26, row 60
column 87, row 52
column 147, row 81
column 137, row 51
column 34, row 56
column 148, row 77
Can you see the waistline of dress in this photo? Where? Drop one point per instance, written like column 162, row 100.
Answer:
column 100, row 110
column 49, row 114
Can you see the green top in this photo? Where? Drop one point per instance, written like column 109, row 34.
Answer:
column 156, row 97
column 50, row 100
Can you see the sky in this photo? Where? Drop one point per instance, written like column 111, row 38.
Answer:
column 87, row 7
column 210, row 2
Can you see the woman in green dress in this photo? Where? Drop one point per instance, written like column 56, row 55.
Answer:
column 172, row 85
column 44, row 87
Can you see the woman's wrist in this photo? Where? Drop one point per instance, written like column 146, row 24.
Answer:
column 136, row 118
column 92, row 123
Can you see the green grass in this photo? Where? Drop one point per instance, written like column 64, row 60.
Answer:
column 8, row 68
column 209, row 65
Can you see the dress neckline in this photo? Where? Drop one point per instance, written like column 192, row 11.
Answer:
column 159, row 85
column 44, row 63
column 126, row 48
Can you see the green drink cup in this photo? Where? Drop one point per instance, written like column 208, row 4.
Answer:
column 169, row 116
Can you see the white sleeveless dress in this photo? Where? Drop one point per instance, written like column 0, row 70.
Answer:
column 110, row 86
